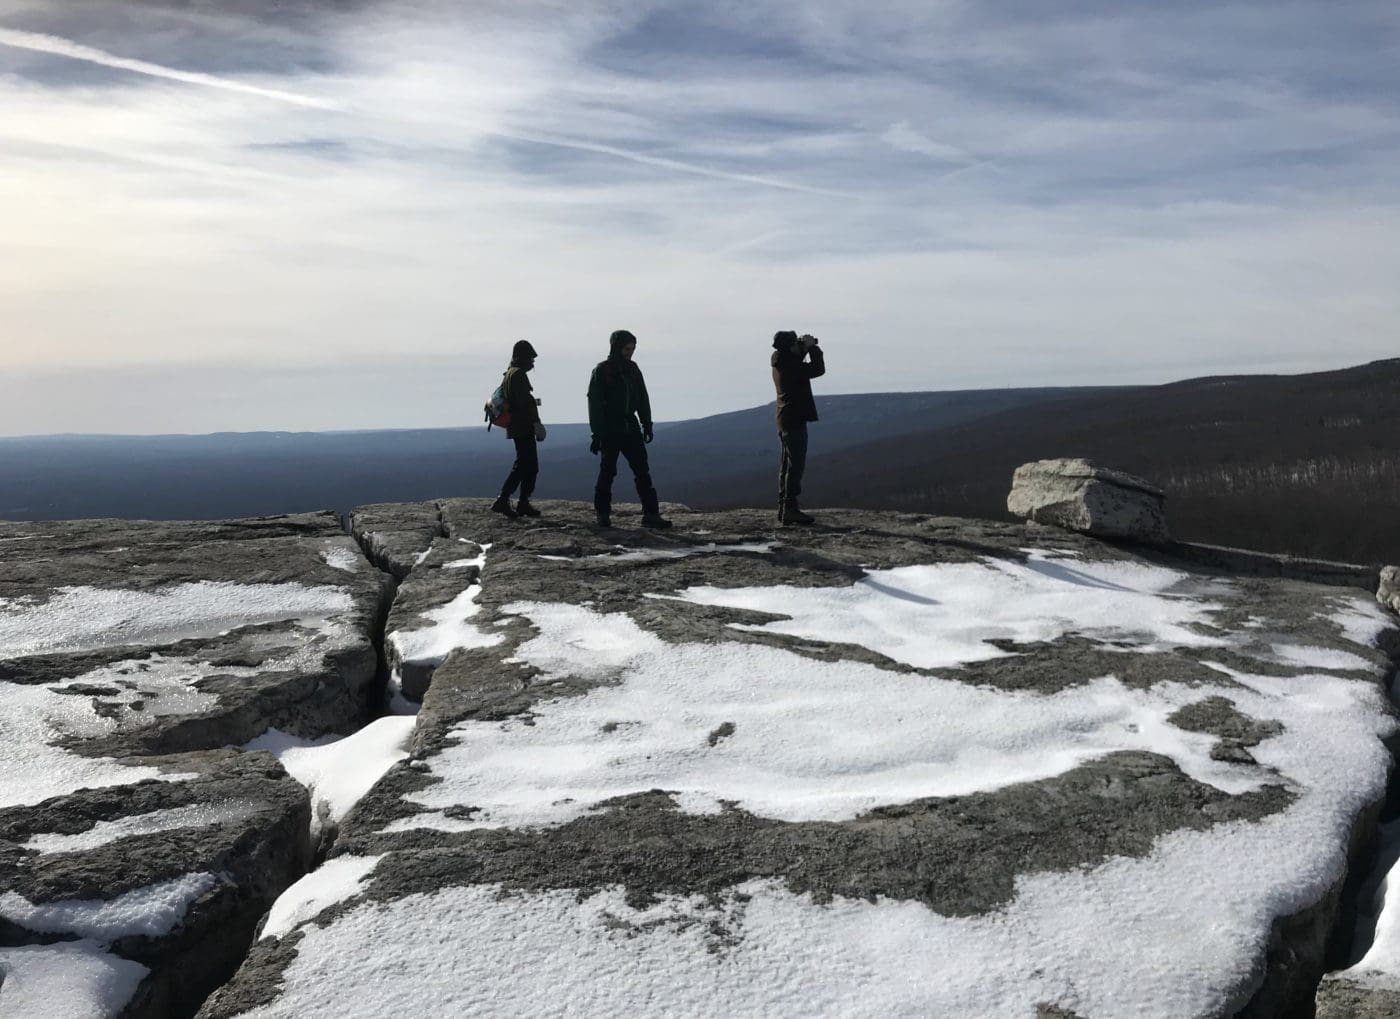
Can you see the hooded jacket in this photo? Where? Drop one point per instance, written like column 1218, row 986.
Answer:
column 792, row 377
column 617, row 395
column 524, row 412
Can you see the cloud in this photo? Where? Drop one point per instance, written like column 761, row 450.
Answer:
column 55, row 46
column 1079, row 197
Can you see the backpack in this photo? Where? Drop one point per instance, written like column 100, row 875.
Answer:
column 497, row 408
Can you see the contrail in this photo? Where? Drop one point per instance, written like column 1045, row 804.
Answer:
column 60, row 47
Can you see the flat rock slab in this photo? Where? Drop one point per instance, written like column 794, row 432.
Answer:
column 131, row 653
column 892, row 764
column 1343, row 998
column 1081, row 496
column 395, row 535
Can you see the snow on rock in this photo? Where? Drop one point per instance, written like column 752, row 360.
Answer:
column 102, row 833
column 71, row 979
column 333, row 882
column 934, row 616
column 82, row 618
column 855, row 738
column 146, row 911
column 338, row 772
column 624, row 554
column 340, row 556
column 132, row 652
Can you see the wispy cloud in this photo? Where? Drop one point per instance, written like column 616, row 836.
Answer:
column 36, row 42
column 1093, row 194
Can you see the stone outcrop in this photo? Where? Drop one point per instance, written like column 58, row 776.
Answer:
column 1388, row 594
column 1341, row 997
column 1077, row 495
column 721, row 747
column 138, row 848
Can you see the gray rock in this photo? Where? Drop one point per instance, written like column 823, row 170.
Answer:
column 395, row 535
column 1339, row 997
column 954, row 855
column 1077, row 495
column 1388, row 594
column 240, row 823
column 131, row 654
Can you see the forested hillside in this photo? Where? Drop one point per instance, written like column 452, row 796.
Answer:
column 1305, row 464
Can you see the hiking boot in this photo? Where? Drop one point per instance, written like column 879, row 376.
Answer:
column 655, row 521
column 502, row 506
column 525, row 509
column 793, row 515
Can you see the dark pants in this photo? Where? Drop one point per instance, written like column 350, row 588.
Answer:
column 526, row 468
column 794, row 463
column 634, row 449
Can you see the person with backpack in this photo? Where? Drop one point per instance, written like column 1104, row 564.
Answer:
column 619, row 416
column 797, row 360
column 521, row 415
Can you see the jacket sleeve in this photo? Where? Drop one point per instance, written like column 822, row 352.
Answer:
column 643, row 402
column 816, row 368
column 595, row 404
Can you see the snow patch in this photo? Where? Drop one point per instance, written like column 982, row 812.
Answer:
column 153, row 911
column 71, row 979
column 339, row 557
column 451, row 628
column 936, row 616
column 849, row 737
column 335, row 881
column 340, row 771
column 199, row 815
column 32, row 769
column 1361, row 620
column 625, row 554
column 84, row 618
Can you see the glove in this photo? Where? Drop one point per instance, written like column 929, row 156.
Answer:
column 596, row 446
column 539, row 431
column 646, row 435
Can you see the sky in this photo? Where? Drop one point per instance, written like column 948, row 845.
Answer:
column 299, row 215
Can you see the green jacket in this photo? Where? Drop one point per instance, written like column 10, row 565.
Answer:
column 523, row 411
column 617, row 399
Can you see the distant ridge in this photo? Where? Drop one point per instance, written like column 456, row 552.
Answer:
column 1304, row 464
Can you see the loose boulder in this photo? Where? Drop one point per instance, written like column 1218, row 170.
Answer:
column 1079, row 496
column 1389, row 592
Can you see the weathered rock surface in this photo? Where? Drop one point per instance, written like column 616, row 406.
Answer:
column 1342, row 998
column 1388, row 594
column 893, row 764
column 1080, row 496
column 395, row 535
column 136, row 853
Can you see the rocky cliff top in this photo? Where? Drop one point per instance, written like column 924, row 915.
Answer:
column 891, row 764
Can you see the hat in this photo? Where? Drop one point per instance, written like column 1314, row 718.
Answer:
column 783, row 339
column 620, row 339
column 522, row 351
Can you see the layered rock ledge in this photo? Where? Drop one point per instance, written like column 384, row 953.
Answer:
column 894, row 764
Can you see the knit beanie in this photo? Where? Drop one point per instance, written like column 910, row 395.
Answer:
column 618, row 340
column 783, row 339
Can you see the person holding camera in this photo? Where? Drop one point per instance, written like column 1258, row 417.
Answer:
column 797, row 360
column 525, row 430
column 619, row 416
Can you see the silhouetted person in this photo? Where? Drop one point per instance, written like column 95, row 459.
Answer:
column 619, row 415
column 525, row 430
column 797, row 360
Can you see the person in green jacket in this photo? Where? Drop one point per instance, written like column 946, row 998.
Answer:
column 525, row 430
column 619, row 415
